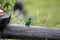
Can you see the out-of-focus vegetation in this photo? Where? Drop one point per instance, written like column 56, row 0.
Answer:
column 42, row 12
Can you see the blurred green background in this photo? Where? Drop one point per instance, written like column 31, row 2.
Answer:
column 45, row 12
column 42, row 12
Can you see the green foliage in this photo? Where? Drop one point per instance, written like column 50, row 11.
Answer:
column 42, row 12
column 49, row 12
column 1, row 1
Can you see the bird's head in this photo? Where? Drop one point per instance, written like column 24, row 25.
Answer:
column 29, row 18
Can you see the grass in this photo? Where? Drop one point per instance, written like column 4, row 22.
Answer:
column 42, row 12
column 48, row 12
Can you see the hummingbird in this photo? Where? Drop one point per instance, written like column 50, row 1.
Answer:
column 28, row 22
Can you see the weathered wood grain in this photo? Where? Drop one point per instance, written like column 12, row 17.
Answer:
column 22, row 31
